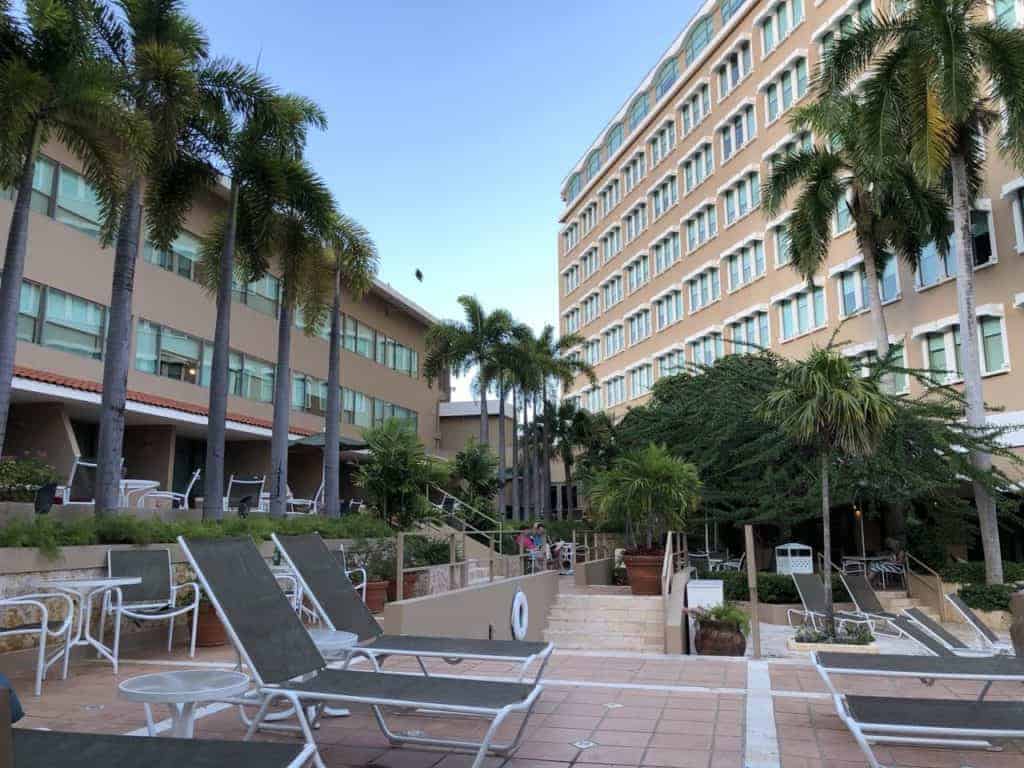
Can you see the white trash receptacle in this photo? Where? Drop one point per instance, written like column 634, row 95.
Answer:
column 794, row 558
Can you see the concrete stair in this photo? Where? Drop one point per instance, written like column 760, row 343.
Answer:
column 607, row 623
column 894, row 602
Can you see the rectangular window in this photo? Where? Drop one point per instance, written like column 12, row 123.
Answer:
column 993, row 354
column 257, row 380
column 73, row 325
column 28, row 311
column 42, row 186
column 772, row 96
column 167, row 352
column 77, row 203
column 936, row 346
column 889, row 282
column 181, row 258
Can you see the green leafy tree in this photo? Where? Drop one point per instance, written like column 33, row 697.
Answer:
column 941, row 76
column 571, row 428
column 473, row 343
column 823, row 403
column 54, row 83
column 475, row 470
column 652, row 489
column 395, row 475
column 353, row 266
column 171, row 83
column 257, row 148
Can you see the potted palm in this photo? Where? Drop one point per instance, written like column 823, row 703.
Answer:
column 652, row 491
column 721, row 630
column 380, row 569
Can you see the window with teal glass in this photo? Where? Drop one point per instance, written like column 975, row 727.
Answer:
column 993, row 352
column 638, row 111
column 181, row 258
column 28, row 311
column 73, row 324
column 728, row 8
column 698, row 39
column 593, row 164
column 257, row 380
column 614, row 139
column 666, row 78
column 573, row 190
column 42, row 186
column 77, row 203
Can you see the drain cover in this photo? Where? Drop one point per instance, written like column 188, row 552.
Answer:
column 584, row 744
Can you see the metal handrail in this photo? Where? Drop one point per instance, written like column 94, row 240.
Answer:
column 465, row 524
column 910, row 559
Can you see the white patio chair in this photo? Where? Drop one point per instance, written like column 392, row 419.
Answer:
column 43, row 627
column 241, row 489
column 735, row 564
column 81, row 487
column 155, row 599
column 178, row 500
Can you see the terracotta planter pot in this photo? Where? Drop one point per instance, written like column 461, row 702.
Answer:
column 376, row 595
column 719, row 638
column 644, row 572
column 209, row 631
column 409, row 581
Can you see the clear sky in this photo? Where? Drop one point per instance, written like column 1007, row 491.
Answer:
column 452, row 124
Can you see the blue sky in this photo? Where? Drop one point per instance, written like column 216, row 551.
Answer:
column 452, row 124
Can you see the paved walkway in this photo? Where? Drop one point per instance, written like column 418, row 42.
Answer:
column 597, row 710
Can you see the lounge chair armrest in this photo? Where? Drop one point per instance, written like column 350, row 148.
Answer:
column 361, row 586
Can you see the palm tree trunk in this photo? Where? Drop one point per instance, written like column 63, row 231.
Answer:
column 826, row 521
column 282, row 408
column 110, row 450
column 14, row 269
column 484, row 426
column 545, row 458
column 501, row 448
column 213, row 487
column 970, row 362
column 332, row 430
column 538, row 421
column 516, row 511
column 878, row 324
column 528, row 455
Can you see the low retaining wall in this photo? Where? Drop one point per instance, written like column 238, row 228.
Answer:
column 775, row 613
column 594, row 573
column 483, row 611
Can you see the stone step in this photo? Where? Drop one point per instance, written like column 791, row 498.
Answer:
column 573, row 614
column 589, row 641
column 609, row 602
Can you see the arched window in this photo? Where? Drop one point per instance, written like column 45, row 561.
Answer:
column 666, row 77
column 728, row 8
column 593, row 164
column 614, row 140
column 638, row 111
column 574, row 188
column 698, row 38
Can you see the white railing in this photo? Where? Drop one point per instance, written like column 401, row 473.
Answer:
column 674, row 560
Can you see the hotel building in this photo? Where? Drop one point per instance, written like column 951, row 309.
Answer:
column 61, row 325
column 666, row 257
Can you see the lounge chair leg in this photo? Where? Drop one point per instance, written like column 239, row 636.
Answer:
column 41, row 662
column 307, row 732
column 423, row 666
column 195, row 627
column 254, row 724
column 170, row 634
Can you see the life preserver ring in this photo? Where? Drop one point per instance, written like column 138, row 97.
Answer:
column 520, row 616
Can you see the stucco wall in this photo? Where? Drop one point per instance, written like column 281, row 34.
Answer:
column 482, row 611
column 595, row 573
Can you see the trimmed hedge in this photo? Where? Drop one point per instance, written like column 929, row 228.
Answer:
column 19, row 478
column 772, row 588
column 987, row 597
column 49, row 536
column 974, row 572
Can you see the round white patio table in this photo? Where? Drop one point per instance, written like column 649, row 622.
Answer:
column 83, row 592
column 181, row 691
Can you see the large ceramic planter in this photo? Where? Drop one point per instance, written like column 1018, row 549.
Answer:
column 409, row 581
column 719, row 638
column 209, row 631
column 376, row 595
column 644, row 573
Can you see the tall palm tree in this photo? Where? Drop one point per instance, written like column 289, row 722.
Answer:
column 572, row 428
column 822, row 402
column 941, row 74
column 891, row 210
column 169, row 80
column 299, row 228
column 353, row 266
column 465, row 345
column 54, row 82
column 524, row 375
column 256, row 147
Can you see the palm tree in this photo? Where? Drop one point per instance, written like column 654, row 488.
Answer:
column 353, row 266
column 53, row 82
column 823, row 403
column 524, row 374
column 256, row 148
column 304, row 221
column 169, row 81
column 464, row 345
column 891, row 210
column 941, row 76
column 572, row 428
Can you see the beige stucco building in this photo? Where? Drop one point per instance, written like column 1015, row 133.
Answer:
column 665, row 255
column 63, row 315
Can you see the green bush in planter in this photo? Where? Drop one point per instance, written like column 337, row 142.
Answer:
column 987, row 597
column 772, row 588
column 21, row 478
column 974, row 572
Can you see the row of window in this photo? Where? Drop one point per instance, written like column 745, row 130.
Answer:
column 364, row 340
column 309, row 394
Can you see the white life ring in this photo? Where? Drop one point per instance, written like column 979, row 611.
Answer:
column 520, row 616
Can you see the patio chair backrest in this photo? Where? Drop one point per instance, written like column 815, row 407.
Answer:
column 811, row 591
column 256, row 613
column 862, row 593
column 973, row 619
column 240, row 488
column 192, row 484
column 329, row 584
column 153, row 566
column 82, row 483
column 943, row 634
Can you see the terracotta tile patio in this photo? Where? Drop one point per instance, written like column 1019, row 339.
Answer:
column 624, row 710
